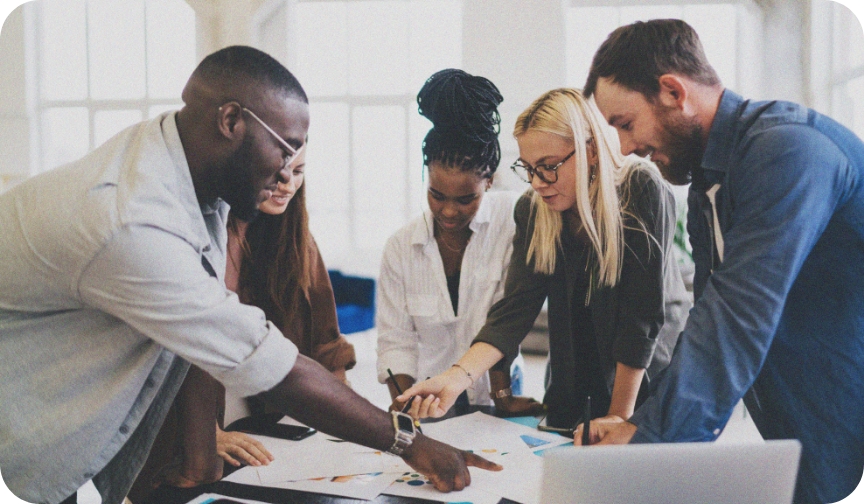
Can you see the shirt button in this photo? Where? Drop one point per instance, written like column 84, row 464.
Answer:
column 124, row 429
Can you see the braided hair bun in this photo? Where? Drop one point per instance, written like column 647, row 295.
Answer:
column 465, row 123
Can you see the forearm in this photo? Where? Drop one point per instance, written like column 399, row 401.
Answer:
column 314, row 396
column 403, row 382
column 478, row 359
column 198, row 403
column 624, row 390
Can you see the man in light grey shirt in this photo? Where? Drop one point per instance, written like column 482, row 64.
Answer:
column 111, row 282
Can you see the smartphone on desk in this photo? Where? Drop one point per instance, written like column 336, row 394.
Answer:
column 268, row 425
column 289, row 432
column 545, row 427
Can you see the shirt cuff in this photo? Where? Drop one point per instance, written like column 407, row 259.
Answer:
column 398, row 363
column 267, row 365
column 642, row 435
column 635, row 352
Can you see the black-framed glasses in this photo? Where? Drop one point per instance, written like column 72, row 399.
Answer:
column 547, row 173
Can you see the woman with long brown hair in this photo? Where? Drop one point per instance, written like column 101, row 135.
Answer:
column 273, row 263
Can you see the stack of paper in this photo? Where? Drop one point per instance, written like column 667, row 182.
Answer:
column 323, row 464
column 210, row 498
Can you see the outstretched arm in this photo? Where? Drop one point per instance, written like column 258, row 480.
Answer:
column 315, row 397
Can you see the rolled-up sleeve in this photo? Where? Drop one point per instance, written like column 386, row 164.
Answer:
column 640, row 311
column 398, row 341
column 154, row 281
column 786, row 186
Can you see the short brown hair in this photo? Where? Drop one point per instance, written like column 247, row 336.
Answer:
column 636, row 55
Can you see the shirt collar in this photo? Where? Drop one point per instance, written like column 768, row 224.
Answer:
column 185, row 187
column 722, row 134
column 425, row 234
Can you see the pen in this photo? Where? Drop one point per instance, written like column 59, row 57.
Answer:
column 586, row 422
column 408, row 403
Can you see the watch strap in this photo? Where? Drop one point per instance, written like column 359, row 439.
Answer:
column 505, row 392
column 404, row 436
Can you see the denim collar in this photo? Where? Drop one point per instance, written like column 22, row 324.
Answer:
column 715, row 161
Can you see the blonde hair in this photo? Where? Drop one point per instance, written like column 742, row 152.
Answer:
column 567, row 113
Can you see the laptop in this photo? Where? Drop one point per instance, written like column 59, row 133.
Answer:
column 673, row 473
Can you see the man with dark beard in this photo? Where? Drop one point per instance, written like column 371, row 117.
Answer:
column 110, row 291
column 776, row 220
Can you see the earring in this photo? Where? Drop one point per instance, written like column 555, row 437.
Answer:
column 594, row 169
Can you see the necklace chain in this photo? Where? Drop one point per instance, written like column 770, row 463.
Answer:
column 451, row 248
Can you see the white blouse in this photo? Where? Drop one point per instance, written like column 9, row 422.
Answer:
column 418, row 333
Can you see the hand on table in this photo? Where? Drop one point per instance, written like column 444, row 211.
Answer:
column 437, row 394
column 607, row 430
column 513, row 406
column 445, row 466
column 236, row 444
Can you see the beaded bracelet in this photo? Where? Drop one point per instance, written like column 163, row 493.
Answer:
column 466, row 373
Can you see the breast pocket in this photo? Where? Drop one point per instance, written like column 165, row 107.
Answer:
column 422, row 305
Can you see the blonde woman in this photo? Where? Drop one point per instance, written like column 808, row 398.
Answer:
column 594, row 237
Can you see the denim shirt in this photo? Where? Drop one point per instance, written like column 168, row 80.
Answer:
column 110, row 270
column 783, row 314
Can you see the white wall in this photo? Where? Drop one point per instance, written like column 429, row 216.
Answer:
column 521, row 45
column 15, row 115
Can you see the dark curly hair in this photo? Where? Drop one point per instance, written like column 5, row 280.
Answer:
column 463, row 109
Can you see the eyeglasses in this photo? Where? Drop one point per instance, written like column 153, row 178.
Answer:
column 292, row 153
column 546, row 173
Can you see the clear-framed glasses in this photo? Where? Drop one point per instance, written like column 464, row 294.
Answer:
column 290, row 152
column 546, row 173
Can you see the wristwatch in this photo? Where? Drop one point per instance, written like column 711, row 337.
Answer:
column 405, row 432
column 505, row 392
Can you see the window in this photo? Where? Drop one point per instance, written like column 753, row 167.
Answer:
column 101, row 67
column 837, row 69
column 727, row 31
column 362, row 64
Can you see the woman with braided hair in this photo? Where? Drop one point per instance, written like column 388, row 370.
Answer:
column 594, row 238
column 442, row 271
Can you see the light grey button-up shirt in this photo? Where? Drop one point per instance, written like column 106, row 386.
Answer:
column 103, row 284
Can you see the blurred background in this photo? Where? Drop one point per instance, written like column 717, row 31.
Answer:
column 75, row 72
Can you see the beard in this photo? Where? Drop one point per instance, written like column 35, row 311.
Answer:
column 682, row 143
column 239, row 189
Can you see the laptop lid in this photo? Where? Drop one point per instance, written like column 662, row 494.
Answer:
column 672, row 473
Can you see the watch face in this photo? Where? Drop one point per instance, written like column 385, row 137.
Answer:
column 406, row 424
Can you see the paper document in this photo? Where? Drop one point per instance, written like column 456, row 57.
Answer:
column 318, row 456
column 479, row 431
column 412, row 484
column 326, row 465
column 210, row 498
column 357, row 486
